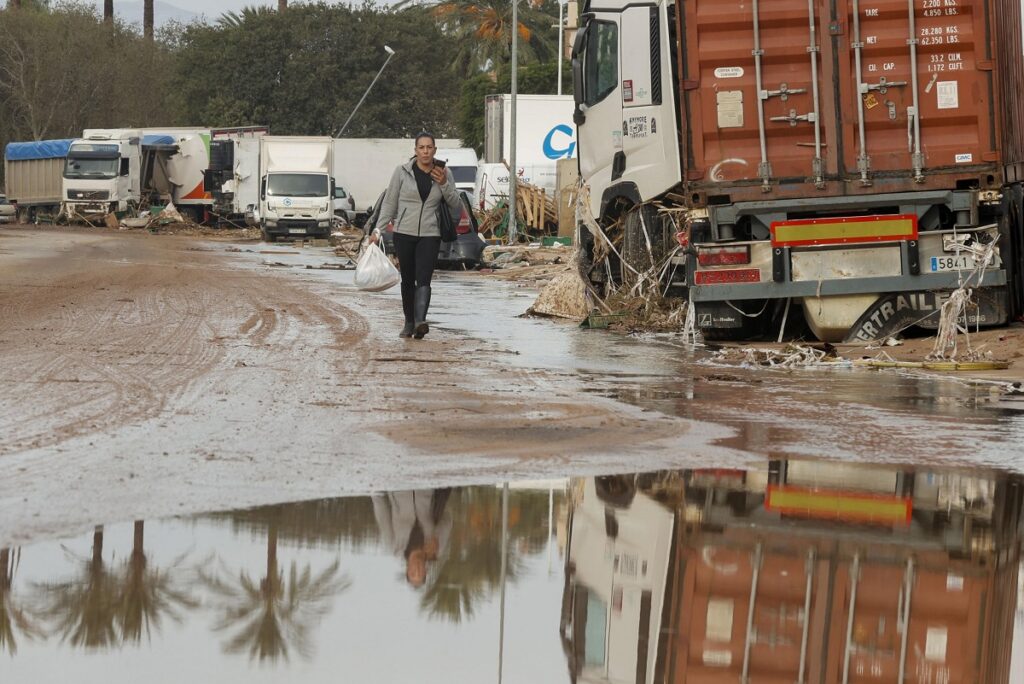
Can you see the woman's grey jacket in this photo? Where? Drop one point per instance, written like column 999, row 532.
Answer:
column 413, row 216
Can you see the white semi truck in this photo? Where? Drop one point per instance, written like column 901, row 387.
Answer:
column 296, row 186
column 115, row 170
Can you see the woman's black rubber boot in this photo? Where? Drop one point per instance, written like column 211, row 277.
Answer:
column 408, row 294
column 420, row 305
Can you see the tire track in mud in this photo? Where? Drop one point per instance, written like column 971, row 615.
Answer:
column 104, row 350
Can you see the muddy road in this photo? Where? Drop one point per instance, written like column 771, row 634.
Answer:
column 145, row 376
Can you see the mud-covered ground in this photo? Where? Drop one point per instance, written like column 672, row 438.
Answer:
column 151, row 375
column 143, row 376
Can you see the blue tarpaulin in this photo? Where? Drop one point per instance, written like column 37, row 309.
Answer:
column 39, row 149
column 157, row 140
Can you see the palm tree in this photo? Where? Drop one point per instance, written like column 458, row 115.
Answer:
column 482, row 30
column 83, row 608
column 234, row 19
column 147, row 19
column 282, row 5
column 13, row 4
column 13, row 618
column 108, row 11
column 273, row 615
column 147, row 593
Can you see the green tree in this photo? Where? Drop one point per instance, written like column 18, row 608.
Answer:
column 482, row 30
column 303, row 71
column 63, row 70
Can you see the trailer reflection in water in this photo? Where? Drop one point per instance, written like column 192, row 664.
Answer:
column 798, row 572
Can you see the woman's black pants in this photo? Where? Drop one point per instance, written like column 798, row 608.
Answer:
column 417, row 257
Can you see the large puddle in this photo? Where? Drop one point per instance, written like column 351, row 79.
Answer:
column 788, row 571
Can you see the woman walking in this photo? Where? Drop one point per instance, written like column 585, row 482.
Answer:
column 418, row 189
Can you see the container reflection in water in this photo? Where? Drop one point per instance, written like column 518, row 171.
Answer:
column 797, row 572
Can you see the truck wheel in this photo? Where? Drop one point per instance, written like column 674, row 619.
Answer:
column 1011, row 247
column 267, row 237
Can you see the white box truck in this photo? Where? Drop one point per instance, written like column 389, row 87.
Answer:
column 363, row 166
column 544, row 129
column 296, row 187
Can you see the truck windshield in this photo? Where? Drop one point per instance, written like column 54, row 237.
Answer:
column 90, row 168
column 297, row 185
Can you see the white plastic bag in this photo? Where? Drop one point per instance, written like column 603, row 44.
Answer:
column 374, row 270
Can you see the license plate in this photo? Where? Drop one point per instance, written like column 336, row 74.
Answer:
column 297, row 231
column 952, row 263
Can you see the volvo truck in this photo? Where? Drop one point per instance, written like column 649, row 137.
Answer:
column 849, row 162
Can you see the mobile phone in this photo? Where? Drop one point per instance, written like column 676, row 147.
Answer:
column 440, row 163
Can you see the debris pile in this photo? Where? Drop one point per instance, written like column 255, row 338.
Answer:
column 638, row 289
column 536, row 215
column 953, row 315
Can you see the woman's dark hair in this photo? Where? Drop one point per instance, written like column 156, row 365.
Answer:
column 424, row 134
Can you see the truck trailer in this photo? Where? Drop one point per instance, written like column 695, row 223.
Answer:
column 855, row 160
column 33, row 175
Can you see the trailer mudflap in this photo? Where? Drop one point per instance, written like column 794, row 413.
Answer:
column 893, row 313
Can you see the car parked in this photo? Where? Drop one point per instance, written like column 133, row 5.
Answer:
column 344, row 205
column 8, row 212
column 465, row 252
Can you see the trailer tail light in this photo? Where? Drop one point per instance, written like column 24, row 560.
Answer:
column 464, row 226
column 727, row 276
column 844, row 230
column 723, row 256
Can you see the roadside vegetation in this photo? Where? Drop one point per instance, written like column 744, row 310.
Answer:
column 300, row 70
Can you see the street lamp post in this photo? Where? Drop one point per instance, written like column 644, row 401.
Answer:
column 512, row 122
column 391, row 53
column 561, row 47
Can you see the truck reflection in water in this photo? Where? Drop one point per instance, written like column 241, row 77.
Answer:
column 797, row 572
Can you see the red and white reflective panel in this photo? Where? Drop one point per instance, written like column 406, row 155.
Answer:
column 464, row 224
column 727, row 276
column 723, row 256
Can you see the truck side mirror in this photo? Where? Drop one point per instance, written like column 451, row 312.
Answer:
column 124, row 167
column 333, row 188
column 263, row 189
column 579, row 47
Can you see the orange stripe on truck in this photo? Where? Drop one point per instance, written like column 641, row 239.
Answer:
column 852, row 229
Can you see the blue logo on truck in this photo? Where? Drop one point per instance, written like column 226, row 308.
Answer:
column 565, row 152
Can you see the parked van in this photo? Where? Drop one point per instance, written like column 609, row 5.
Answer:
column 492, row 182
column 463, row 163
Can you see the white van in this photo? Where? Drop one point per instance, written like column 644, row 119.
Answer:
column 463, row 162
column 492, row 182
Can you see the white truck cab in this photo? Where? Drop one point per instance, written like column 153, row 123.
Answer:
column 115, row 170
column 296, row 189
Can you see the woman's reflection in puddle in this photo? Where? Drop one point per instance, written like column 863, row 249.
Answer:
column 415, row 525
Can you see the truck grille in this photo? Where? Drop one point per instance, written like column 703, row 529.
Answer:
column 88, row 194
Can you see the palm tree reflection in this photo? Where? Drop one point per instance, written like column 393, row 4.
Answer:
column 271, row 617
column 82, row 609
column 13, row 617
column 470, row 570
column 147, row 593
